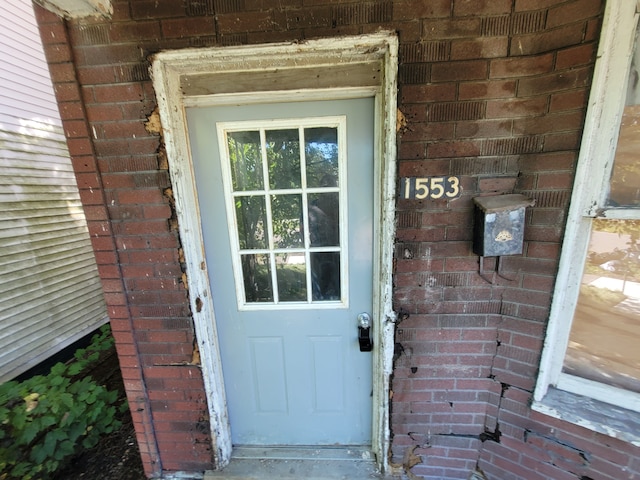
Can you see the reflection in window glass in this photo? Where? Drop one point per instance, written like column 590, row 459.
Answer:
column 321, row 152
column 286, row 200
column 325, row 275
column 256, row 272
column 324, row 221
column 603, row 343
column 286, row 211
column 252, row 222
column 292, row 277
column 625, row 178
column 283, row 155
column 246, row 160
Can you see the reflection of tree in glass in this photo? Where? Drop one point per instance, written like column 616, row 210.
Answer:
column 291, row 277
column 283, row 162
column 324, row 221
column 618, row 263
column 256, row 273
column 283, row 157
column 321, row 153
column 246, row 161
column 325, row 276
column 251, row 217
column 625, row 178
column 287, row 215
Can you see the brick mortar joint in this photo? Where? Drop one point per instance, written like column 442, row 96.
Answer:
column 147, row 422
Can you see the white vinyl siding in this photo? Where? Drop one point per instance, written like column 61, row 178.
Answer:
column 50, row 292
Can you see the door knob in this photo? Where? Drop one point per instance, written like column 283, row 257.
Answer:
column 364, row 332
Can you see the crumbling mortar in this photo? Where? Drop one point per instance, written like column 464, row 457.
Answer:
column 202, row 427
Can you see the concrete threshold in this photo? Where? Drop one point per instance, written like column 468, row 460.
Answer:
column 309, row 463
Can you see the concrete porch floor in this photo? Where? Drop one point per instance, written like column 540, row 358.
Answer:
column 308, row 463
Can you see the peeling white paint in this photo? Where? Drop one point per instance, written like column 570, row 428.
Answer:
column 78, row 8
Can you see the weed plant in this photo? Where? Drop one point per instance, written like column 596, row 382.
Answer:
column 46, row 419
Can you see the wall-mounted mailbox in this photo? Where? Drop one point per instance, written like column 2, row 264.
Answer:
column 499, row 224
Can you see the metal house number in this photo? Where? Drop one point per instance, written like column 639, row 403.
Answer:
column 419, row 188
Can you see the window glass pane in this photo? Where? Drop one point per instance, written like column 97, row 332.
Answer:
column 324, row 219
column 625, row 178
column 256, row 272
column 603, row 345
column 325, row 275
column 246, row 160
column 286, row 211
column 283, row 155
column 292, row 277
column 252, row 222
column 321, row 152
column 287, row 218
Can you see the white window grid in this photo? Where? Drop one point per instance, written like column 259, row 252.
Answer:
column 262, row 126
column 588, row 201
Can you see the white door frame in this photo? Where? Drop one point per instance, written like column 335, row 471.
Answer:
column 345, row 67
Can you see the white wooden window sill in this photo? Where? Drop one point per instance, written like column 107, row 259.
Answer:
column 594, row 415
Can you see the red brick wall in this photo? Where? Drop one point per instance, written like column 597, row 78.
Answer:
column 493, row 91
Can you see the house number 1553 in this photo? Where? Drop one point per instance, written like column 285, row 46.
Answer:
column 429, row 187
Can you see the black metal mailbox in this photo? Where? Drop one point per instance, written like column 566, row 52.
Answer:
column 499, row 224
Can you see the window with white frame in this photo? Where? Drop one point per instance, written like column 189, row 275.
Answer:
column 593, row 335
column 285, row 191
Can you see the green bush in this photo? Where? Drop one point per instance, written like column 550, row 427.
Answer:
column 46, row 419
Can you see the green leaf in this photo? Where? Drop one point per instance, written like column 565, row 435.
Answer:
column 29, row 432
column 47, row 421
column 90, row 442
column 19, row 419
column 52, row 465
column 56, row 381
column 65, row 448
column 58, row 369
column 74, row 369
column 20, row 470
column 67, row 400
column 38, row 454
column 50, row 442
column 93, row 357
column 76, row 430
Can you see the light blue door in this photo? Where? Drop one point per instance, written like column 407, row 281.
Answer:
column 286, row 203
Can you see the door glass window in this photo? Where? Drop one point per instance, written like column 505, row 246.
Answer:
column 283, row 192
column 283, row 156
column 245, row 160
column 321, row 151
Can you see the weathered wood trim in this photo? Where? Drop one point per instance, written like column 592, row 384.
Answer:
column 277, row 78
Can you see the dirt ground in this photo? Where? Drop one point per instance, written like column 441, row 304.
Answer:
column 116, row 457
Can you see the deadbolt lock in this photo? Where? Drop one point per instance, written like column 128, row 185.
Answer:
column 364, row 332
